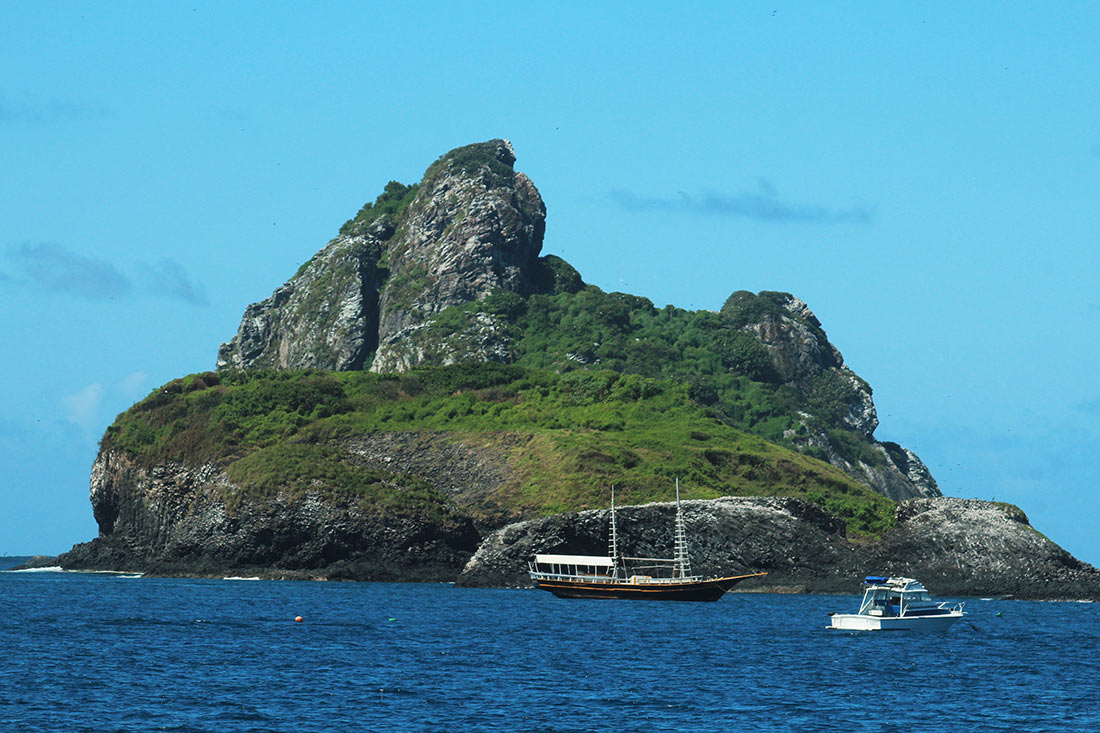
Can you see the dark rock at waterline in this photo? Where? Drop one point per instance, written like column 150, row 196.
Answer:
column 956, row 547
column 27, row 562
column 175, row 520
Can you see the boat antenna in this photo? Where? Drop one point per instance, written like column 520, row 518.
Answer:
column 613, row 542
column 681, row 561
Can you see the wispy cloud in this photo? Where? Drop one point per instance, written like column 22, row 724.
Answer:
column 82, row 408
column 132, row 385
column 167, row 277
column 89, row 409
column 53, row 267
column 763, row 205
column 44, row 111
column 11, row 434
column 1089, row 407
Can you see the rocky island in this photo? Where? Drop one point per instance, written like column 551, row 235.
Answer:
column 431, row 398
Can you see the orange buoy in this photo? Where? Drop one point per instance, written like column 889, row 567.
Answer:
column 298, row 619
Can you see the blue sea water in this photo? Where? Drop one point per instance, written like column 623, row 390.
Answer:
column 99, row 652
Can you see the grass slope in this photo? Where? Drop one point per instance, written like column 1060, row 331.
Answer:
column 728, row 370
column 567, row 439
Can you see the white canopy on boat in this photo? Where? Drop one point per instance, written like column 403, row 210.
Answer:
column 603, row 562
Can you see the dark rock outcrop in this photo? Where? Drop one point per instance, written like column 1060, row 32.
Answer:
column 325, row 317
column 174, row 520
column 181, row 521
column 834, row 396
column 954, row 546
column 474, row 226
column 32, row 562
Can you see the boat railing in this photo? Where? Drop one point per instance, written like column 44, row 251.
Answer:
column 588, row 578
column 572, row 577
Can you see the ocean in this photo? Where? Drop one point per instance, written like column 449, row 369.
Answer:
column 104, row 652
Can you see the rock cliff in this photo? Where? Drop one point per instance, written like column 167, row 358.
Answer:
column 177, row 520
column 383, row 296
column 802, row 357
column 954, row 546
column 325, row 317
column 473, row 225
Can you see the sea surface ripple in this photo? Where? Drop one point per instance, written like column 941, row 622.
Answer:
column 95, row 652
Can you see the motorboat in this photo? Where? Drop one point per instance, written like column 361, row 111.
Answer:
column 897, row 604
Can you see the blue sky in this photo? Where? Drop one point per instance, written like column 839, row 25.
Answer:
column 925, row 177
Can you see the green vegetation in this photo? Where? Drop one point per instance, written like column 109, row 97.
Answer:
column 295, row 468
column 743, row 308
column 403, row 287
column 476, row 159
column 728, row 370
column 603, row 388
column 387, row 208
column 566, row 438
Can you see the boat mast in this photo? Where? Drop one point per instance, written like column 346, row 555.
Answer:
column 681, row 561
column 613, row 542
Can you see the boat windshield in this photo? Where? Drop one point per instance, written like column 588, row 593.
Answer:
column 879, row 602
column 884, row 601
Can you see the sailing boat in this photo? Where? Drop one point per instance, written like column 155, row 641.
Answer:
column 589, row 576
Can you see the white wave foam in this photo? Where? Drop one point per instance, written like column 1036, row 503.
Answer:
column 50, row 569
column 59, row 569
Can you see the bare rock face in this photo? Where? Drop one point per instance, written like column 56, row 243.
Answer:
column 835, row 396
column 795, row 342
column 175, row 520
column 170, row 519
column 475, row 226
column 325, row 317
column 954, row 546
column 802, row 355
column 469, row 474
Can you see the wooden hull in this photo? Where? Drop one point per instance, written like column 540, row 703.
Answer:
column 700, row 590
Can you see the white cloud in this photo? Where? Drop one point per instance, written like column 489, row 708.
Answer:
column 82, row 408
column 132, row 386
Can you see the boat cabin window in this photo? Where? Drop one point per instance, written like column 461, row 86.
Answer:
column 883, row 601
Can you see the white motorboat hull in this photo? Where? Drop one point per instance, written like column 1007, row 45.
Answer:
column 857, row 622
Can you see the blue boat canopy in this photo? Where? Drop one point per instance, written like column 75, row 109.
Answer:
column 874, row 579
